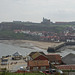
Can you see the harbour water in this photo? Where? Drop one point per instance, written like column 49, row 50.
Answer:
column 25, row 49
column 9, row 49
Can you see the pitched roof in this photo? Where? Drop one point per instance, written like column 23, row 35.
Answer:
column 69, row 59
column 37, row 54
column 16, row 54
column 53, row 57
column 38, row 63
column 66, row 67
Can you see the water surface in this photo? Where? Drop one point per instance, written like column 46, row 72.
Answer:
column 9, row 49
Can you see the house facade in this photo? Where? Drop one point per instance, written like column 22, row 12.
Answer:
column 38, row 65
column 38, row 62
column 16, row 56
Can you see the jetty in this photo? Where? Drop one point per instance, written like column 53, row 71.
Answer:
column 55, row 48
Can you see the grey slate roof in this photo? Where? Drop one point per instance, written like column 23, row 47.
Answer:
column 69, row 59
column 16, row 54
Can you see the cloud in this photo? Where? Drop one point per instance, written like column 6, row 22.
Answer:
column 34, row 10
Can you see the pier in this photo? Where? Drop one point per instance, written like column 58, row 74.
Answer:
column 54, row 49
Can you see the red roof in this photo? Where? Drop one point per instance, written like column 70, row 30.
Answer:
column 54, row 57
column 38, row 63
column 66, row 67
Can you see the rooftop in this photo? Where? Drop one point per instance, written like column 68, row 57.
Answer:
column 66, row 67
column 54, row 57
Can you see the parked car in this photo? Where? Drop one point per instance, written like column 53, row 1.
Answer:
column 60, row 71
column 56, row 70
column 53, row 71
column 47, row 72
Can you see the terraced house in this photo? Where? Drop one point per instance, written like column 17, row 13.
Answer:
column 38, row 62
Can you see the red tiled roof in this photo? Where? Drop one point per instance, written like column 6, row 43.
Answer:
column 54, row 57
column 38, row 63
column 66, row 67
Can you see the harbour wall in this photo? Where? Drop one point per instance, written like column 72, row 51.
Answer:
column 54, row 49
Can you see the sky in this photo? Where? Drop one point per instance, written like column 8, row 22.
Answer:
column 35, row 10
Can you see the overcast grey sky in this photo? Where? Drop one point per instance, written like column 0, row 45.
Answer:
column 35, row 10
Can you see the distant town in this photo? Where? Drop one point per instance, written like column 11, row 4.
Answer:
column 45, row 21
column 44, row 31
